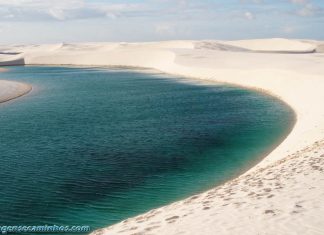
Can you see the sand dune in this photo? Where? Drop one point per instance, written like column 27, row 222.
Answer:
column 275, row 45
column 8, row 56
column 320, row 48
column 9, row 59
column 10, row 90
column 215, row 45
column 284, row 193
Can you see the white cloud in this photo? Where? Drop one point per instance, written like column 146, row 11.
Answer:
column 288, row 29
column 57, row 13
column 252, row 1
column 248, row 15
column 164, row 28
column 307, row 10
column 26, row 10
column 306, row 7
column 299, row 1
column 133, row 20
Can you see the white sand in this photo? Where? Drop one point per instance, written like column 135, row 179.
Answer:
column 284, row 193
column 10, row 90
column 275, row 45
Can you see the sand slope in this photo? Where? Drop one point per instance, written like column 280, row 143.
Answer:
column 275, row 45
column 10, row 90
column 11, row 59
column 283, row 194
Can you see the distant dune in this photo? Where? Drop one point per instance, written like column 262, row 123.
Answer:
column 278, row 45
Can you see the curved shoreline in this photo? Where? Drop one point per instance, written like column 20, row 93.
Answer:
column 261, row 204
column 288, row 146
column 170, row 213
column 10, row 90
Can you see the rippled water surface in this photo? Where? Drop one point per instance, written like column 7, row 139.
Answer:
column 94, row 146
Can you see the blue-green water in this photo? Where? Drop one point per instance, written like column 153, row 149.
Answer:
column 94, row 146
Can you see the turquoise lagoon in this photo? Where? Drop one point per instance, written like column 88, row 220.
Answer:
column 93, row 146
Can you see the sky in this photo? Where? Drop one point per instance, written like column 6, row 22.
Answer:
column 53, row 21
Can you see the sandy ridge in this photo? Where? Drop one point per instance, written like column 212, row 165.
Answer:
column 10, row 90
